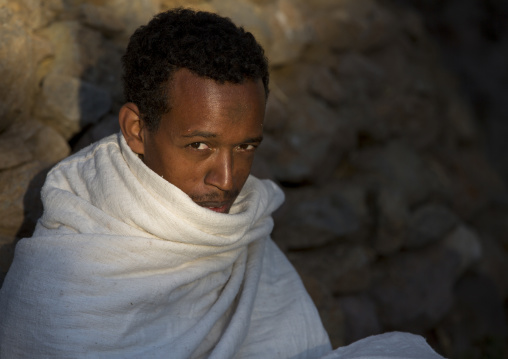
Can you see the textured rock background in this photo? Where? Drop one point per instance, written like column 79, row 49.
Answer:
column 394, row 217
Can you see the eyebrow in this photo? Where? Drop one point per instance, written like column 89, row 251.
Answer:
column 205, row 134
column 201, row 134
column 253, row 139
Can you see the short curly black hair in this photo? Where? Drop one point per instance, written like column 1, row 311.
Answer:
column 207, row 44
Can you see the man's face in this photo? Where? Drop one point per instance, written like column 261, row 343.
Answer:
column 205, row 144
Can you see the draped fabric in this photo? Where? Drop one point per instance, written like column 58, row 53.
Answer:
column 393, row 345
column 123, row 264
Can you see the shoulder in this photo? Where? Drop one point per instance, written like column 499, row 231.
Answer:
column 90, row 151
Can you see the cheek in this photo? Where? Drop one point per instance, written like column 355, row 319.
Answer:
column 189, row 174
column 183, row 171
column 169, row 165
column 242, row 169
column 186, row 179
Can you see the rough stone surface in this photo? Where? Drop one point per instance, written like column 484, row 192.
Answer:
column 473, row 39
column 76, row 48
column 98, row 17
column 494, row 262
column 130, row 13
column 20, row 207
column 325, row 86
column 314, row 141
column 332, row 315
column 17, row 80
column 40, row 143
column 477, row 317
column 11, row 153
column 429, row 224
column 414, row 290
column 312, row 220
column 397, row 167
column 341, row 268
column 68, row 104
column 360, row 317
column 469, row 180
column 466, row 244
column 356, row 25
column 392, row 222
column 46, row 144
column 103, row 128
column 6, row 255
column 391, row 203
column 13, row 187
column 288, row 25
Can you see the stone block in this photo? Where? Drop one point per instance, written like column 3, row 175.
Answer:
column 76, row 48
column 428, row 224
column 12, row 152
column 315, row 220
column 105, row 127
column 476, row 326
column 334, row 263
column 312, row 143
column 398, row 167
column 99, row 18
column 360, row 317
column 358, row 25
column 392, row 217
column 326, row 86
column 279, row 27
column 17, row 69
column 14, row 184
column 131, row 13
column 470, row 181
column 465, row 242
column 28, row 12
column 68, row 104
column 413, row 291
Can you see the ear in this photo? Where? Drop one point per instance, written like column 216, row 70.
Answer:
column 132, row 127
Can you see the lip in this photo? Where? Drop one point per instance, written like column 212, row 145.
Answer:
column 220, row 207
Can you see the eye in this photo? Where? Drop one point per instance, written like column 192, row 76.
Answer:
column 247, row 147
column 199, row 146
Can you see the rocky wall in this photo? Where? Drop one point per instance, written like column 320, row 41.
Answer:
column 473, row 38
column 393, row 218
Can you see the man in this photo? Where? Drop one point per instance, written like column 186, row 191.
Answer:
column 155, row 242
column 199, row 130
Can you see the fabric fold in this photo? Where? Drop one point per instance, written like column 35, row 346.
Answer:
column 123, row 264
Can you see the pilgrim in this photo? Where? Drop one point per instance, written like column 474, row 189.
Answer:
column 155, row 241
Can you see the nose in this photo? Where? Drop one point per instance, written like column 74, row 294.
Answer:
column 220, row 173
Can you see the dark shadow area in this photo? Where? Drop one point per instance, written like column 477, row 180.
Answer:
column 473, row 39
column 33, row 210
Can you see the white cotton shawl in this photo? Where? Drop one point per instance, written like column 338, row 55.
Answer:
column 394, row 345
column 123, row 264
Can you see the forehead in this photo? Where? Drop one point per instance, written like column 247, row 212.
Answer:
column 203, row 102
column 186, row 83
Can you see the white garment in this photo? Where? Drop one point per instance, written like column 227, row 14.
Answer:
column 394, row 345
column 123, row 264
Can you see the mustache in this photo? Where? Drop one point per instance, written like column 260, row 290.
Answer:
column 225, row 196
